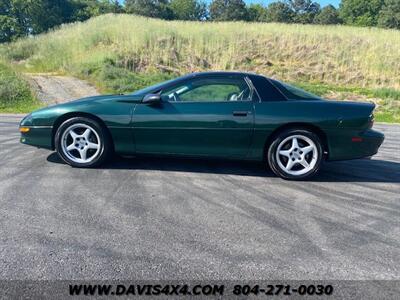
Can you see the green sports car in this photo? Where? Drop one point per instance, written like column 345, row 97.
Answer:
column 215, row 114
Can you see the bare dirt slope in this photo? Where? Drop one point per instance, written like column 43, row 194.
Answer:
column 53, row 89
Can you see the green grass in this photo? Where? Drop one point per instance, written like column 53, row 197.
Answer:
column 122, row 53
column 15, row 93
column 335, row 55
column 111, row 79
column 325, row 89
column 387, row 117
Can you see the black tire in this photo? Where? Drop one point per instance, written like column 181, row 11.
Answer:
column 99, row 132
column 277, row 166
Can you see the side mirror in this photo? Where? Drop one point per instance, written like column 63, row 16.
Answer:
column 152, row 99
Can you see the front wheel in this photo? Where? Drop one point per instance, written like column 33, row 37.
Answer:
column 82, row 142
column 295, row 154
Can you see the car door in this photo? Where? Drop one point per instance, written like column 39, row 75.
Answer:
column 205, row 116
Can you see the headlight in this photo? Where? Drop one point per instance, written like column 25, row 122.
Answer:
column 27, row 121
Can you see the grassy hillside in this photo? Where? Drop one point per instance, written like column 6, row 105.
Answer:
column 15, row 94
column 121, row 53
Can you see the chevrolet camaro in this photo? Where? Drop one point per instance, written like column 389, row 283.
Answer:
column 214, row 114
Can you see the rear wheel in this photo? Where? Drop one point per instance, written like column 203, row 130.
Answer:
column 82, row 142
column 295, row 154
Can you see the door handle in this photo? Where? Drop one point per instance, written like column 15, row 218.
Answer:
column 241, row 113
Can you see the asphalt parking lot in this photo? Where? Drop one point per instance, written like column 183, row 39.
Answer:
column 195, row 219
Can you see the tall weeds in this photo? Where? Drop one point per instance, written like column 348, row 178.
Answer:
column 336, row 55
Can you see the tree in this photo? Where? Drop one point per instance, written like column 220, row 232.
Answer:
column 256, row 13
column 23, row 17
column 107, row 6
column 9, row 29
column 46, row 14
column 35, row 16
column 188, row 10
column 85, row 9
column 117, row 8
column 328, row 15
column 360, row 12
column 304, row 10
column 389, row 16
column 279, row 12
column 11, row 26
column 149, row 8
column 228, row 10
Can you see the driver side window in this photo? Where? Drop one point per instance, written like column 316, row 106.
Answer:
column 209, row 90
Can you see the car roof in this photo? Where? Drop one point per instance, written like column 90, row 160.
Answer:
column 174, row 81
column 210, row 73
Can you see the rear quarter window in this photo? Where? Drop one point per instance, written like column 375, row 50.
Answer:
column 292, row 92
column 266, row 90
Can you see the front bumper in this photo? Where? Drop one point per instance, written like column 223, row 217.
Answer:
column 38, row 136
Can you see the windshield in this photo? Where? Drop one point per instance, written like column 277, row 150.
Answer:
column 292, row 92
column 153, row 88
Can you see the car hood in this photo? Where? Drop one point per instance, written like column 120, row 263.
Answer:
column 47, row 115
column 102, row 98
column 92, row 100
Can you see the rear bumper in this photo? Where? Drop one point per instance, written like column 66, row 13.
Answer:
column 38, row 136
column 355, row 145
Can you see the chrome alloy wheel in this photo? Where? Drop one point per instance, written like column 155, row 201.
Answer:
column 297, row 155
column 80, row 143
